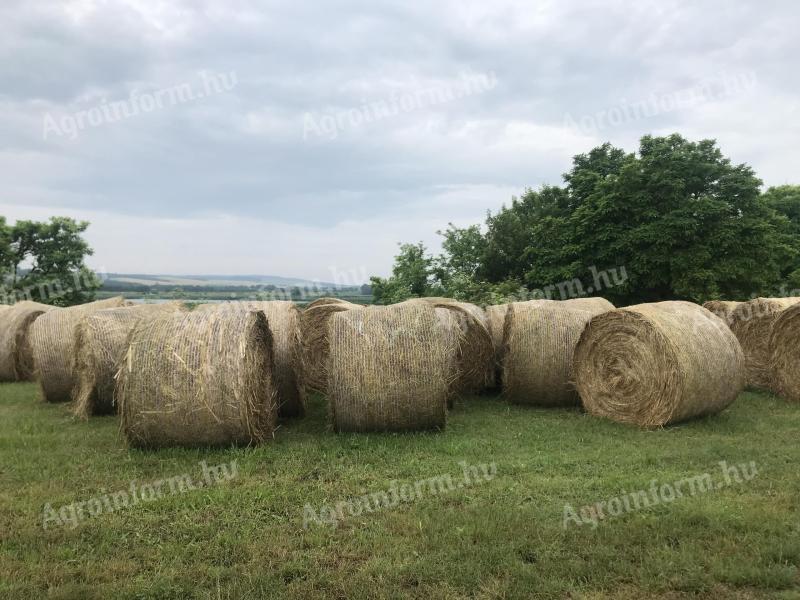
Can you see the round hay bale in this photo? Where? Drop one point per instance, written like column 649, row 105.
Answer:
column 101, row 340
column 16, row 354
column 53, row 342
column 197, row 379
column 474, row 350
column 784, row 349
column 326, row 300
column 654, row 364
column 540, row 342
column 284, row 322
column 751, row 322
column 389, row 368
column 314, row 335
column 722, row 308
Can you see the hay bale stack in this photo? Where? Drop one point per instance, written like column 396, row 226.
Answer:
column 474, row 350
column 751, row 322
column 101, row 340
column 389, row 368
column 784, row 351
column 654, row 364
column 326, row 300
column 539, row 342
column 284, row 322
column 16, row 354
column 202, row 378
column 722, row 308
column 53, row 343
column 314, row 327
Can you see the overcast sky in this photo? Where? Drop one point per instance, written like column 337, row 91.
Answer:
column 307, row 139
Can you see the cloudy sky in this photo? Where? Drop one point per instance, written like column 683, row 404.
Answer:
column 307, row 139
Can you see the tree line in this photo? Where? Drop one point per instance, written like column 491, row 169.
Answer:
column 674, row 220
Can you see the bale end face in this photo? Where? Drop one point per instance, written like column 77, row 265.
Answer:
column 784, row 349
column 655, row 364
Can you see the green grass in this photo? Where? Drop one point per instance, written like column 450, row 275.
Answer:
column 501, row 539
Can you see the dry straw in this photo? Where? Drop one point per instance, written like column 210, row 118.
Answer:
column 722, row 308
column 202, row 378
column 752, row 322
column 314, row 326
column 784, row 347
column 53, row 343
column 474, row 352
column 389, row 368
column 496, row 317
column 540, row 340
column 101, row 340
column 654, row 364
column 284, row 322
column 326, row 300
column 16, row 354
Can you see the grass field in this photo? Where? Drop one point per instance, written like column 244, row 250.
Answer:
column 503, row 537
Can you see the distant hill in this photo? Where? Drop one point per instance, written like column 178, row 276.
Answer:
column 214, row 281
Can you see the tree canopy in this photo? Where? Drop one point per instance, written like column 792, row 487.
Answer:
column 675, row 220
column 44, row 261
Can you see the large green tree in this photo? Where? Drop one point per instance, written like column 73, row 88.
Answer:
column 412, row 276
column 44, row 261
column 675, row 220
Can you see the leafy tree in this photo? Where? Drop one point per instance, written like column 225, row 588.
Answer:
column 45, row 262
column 679, row 218
column 412, row 276
column 682, row 220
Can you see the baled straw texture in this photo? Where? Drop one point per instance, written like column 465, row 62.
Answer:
column 314, row 327
column 722, row 308
column 101, row 341
column 752, row 323
column 202, row 378
column 784, row 348
column 16, row 354
column 654, row 364
column 53, row 343
column 496, row 317
column 540, row 342
column 284, row 322
column 326, row 300
column 389, row 368
column 474, row 351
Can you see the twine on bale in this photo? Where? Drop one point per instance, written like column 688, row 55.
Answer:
column 540, row 340
column 314, row 326
column 198, row 379
column 283, row 317
column 655, row 364
column 53, row 343
column 389, row 369
column 784, row 350
column 751, row 322
column 101, row 340
column 16, row 354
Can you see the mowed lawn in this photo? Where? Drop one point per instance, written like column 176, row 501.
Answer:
column 500, row 538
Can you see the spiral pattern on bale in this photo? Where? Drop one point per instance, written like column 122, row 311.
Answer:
column 784, row 349
column 655, row 364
